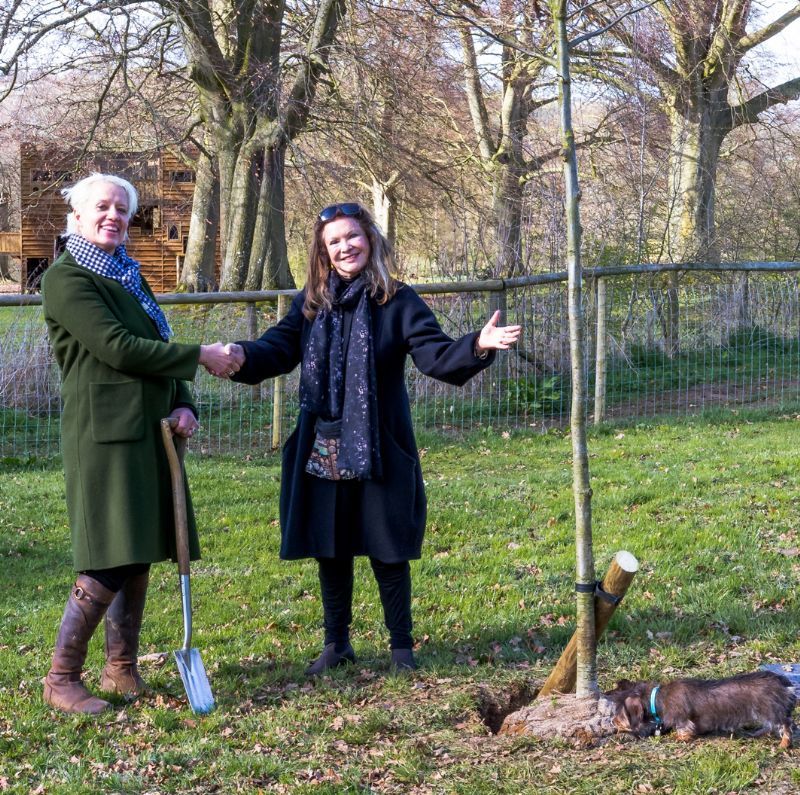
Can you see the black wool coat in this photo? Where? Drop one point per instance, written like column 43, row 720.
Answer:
column 383, row 518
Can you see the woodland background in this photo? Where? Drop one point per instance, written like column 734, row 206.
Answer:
column 442, row 115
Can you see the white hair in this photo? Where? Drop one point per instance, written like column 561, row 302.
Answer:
column 79, row 193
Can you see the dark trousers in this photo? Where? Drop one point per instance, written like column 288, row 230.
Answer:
column 394, row 586
column 115, row 578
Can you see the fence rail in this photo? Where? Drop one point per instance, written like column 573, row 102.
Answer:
column 660, row 340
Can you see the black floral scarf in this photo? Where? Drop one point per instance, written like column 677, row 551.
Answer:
column 337, row 390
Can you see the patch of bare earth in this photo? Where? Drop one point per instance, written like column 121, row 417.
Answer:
column 694, row 399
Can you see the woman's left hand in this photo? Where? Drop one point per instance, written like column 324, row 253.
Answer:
column 187, row 422
column 498, row 338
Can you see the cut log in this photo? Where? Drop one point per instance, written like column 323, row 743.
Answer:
column 615, row 584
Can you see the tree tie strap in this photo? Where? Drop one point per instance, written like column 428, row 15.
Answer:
column 597, row 590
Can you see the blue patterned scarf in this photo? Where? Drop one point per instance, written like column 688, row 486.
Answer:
column 121, row 268
column 333, row 389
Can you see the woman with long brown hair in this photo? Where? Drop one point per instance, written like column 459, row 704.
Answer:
column 351, row 477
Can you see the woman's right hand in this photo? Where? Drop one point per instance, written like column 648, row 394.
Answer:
column 222, row 360
column 494, row 337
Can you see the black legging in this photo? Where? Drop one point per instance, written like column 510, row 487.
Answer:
column 115, row 578
column 394, row 586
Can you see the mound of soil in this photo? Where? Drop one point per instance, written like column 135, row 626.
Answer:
column 582, row 722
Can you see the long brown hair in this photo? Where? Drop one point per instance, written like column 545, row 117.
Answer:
column 381, row 283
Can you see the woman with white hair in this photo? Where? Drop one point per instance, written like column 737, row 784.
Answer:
column 120, row 376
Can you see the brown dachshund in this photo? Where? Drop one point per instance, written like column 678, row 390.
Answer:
column 757, row 703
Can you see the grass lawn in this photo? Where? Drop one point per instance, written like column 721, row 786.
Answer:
column 710, row 509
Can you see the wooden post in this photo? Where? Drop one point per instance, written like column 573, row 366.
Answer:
column 616, row 582
column 278, row 386
column 600, row 355
column 252, row 333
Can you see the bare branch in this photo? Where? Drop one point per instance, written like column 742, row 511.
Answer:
column 314, row 65
column 31, row 32
column 768, row 31
column 477, row 106
column 748, row 112
column 479, row 22
column 614, row 22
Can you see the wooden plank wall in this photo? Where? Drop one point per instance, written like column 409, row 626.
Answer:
column 10, row 243
column 157, row 234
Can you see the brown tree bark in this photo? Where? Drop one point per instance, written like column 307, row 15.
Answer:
column 501, row 150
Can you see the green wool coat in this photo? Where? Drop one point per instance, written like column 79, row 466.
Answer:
column 118, row 380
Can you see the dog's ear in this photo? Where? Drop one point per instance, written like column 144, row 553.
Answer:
column 629, row 713
column 634, row 711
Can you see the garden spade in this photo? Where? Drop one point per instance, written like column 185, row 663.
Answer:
column 188, row 659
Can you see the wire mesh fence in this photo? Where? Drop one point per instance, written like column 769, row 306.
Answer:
column 720, row 340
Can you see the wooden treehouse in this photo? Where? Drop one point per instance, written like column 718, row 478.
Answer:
column 157, row 233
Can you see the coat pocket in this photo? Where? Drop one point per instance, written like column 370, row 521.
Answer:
column 401, row 484
column 117, row 411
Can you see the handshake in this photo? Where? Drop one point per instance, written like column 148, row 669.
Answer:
column 222, row 360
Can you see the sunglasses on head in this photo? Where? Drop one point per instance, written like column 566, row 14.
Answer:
column 349, row 209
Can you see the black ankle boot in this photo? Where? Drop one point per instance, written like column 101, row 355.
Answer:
column 330, row 658
column 403, row 660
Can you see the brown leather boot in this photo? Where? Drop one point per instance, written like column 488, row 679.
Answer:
column 63, row 688
column 123, row 625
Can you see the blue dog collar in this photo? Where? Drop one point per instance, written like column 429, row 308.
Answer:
column 653, row 710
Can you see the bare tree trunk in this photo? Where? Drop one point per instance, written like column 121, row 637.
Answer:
column 501, row 147
column 744, row 317
column 269, row 258
column 613, row 588
column 5, row 260
column 198, row 274
column 507, row 202
column 255, row 100
column 586, row 683
column 384, row 205
column 240, row 200
column 700, row 83
column 696, row 139
column 672, row 316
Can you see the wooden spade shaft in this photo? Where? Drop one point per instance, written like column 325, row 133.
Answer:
column 618, row 578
